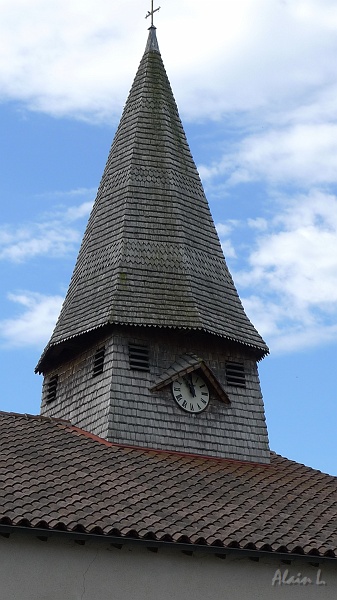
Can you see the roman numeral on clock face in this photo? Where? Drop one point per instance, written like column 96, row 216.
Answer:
column 191, row 393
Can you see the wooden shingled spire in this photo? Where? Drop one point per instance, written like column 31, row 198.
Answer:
column 150, row 255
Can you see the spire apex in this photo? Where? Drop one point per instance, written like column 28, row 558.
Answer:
column 151, row 12
column 152, row 42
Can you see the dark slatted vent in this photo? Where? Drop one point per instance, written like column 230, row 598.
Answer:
column 98, row 362
column 235, row 374
column 139, row 357
column 52, row 389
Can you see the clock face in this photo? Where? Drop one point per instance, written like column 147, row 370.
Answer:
column 191, row 393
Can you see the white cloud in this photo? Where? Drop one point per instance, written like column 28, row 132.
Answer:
column 55, row 55
column 295, row 339
column 224, row 230
column 304, row 154
column 33, row 326
column 78, row 58
column 228, row 248
column 37, row 239
column 294, row 267
column 259, row 223
column 69, row 194
column 78, row 212
column 286, row 331
column 53, row 236
column 300, row 258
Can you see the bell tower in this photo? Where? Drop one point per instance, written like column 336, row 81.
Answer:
column 152, row 347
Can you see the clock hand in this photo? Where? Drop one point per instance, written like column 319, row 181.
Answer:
column 189, row 383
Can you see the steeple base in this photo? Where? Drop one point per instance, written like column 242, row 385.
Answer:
column 107, row 391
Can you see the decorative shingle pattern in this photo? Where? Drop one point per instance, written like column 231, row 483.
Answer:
column 150, row 255
column 57, row 476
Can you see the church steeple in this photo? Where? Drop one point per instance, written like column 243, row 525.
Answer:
column 150, row 271
column 150, row 255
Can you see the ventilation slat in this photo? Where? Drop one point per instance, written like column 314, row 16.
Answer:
column 98, row 362
column 139, row 357
column 235, row 374
column 52, row 389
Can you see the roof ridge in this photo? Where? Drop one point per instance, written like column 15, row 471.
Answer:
column 300, row 465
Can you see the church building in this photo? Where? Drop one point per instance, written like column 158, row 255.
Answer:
column 150, row 462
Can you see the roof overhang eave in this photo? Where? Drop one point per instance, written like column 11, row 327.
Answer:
column 260, row 351
column 151, row 544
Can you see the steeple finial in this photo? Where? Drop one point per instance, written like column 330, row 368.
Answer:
column 151, row 13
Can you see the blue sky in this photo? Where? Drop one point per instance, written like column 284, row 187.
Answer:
column 256, row 86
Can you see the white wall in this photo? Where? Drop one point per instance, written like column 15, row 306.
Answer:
column 55, row 570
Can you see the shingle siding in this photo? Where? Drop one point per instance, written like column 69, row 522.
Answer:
column 119, row 405
column 82, row 399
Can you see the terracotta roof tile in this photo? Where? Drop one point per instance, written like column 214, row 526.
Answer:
column 69, row 481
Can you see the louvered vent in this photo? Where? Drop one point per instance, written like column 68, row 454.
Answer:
column 235, row 374
column 139, row 357
column 52, row 389
column 98, row 362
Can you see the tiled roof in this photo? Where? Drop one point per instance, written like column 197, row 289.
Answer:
column 57, row 476
column 151, row 255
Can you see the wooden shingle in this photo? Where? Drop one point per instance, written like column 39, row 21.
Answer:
column 151, row 255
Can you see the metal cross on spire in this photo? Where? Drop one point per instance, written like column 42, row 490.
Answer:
column 151, row 12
